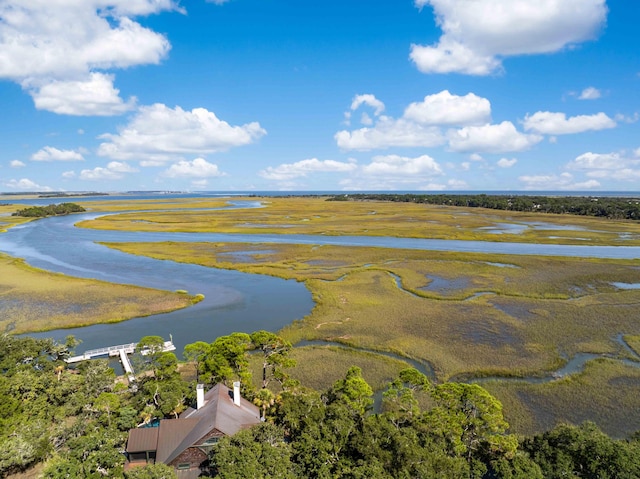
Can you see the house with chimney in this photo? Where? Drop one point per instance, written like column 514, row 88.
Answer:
column 184, row 443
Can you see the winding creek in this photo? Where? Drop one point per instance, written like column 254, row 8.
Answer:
column 234, row 301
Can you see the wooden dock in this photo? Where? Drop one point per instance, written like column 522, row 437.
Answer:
column 122, row 350
column 114, row 351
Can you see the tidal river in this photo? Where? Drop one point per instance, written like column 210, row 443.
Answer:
column 233, row 301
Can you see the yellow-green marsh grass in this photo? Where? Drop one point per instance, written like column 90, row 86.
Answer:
column 35, row 300
column 154, row 204
column 528, row 312
column 6, row 220
column 606, row 392
column 306, row 215
column 634, row 343
column 318, row 367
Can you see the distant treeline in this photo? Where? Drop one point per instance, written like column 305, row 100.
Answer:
column 51, row 210
column 603, row 207
column 71, row 195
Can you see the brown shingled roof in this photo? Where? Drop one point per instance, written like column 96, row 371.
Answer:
column 171, row 434
column 143, row 439
column 174, row 436
column 218, row 412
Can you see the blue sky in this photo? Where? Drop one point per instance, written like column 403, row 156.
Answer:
column 242, row 95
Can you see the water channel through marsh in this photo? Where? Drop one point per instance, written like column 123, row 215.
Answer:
column 233, row 301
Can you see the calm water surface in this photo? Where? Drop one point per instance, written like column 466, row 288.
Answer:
column 234, row 301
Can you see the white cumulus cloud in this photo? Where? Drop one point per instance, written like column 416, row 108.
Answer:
column 551, row 123
column 620, row 166
column 388, row 132
column 598, row 161
column 198, row 168
column 499, row 138
column 590, row 93
column 402, row 166
column 452, row 56
column 369, row 100
column 16, row 164
column 446, row 109
column 53, row 44
column 160, row 133
column 478, row 34
column 25, row 184
column 289, row 171
column 94, row 96
column 421, row 126
column 49, row 153
column 506, row 162
column 114, row 170
column 564, row 181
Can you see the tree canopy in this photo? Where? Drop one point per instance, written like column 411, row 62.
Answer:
column 75, row 422
column 598, row 206
column 51, row 210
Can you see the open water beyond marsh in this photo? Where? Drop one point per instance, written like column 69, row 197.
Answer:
column 233, row 301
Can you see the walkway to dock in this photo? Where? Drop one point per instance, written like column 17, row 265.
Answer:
column 122, row 351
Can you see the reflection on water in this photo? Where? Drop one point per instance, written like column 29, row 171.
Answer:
column 504, row 228
column 502, row 265
column 626, row 285
column 233, row 301
column 520, row 228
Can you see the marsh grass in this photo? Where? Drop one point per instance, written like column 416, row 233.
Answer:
column 308, row 215
column 6, row 220
column 540, row 309
column 319, row 367
column 507, row 315
column 110, row 205
column 634, row 343
column 606, row 392
column 35, row 300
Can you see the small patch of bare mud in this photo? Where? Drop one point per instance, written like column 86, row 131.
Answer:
column 490, row 333
column 326, row 263
column 513, row 309
column 442, row 285
column 246, row 257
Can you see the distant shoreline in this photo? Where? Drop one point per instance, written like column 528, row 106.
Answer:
column 161, row 193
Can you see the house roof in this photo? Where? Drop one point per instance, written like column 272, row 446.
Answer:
column 142, row 439
column 218, row 412
column 171, row 435
column 174, row 436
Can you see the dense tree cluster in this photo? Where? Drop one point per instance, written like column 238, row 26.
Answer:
column 450, row 430
column 51, row 210
column 75, row 421
column 603, row 207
